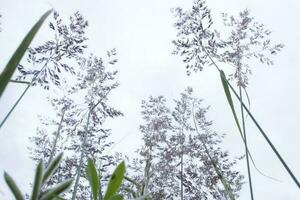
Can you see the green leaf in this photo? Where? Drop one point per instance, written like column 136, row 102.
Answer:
column 52, row 167
column 117, row 197
column 37, row 182
column 93, row 178
column 17, row 56
column 115, row 181
column 13, row 187
column 57, row 190
column 229, row 99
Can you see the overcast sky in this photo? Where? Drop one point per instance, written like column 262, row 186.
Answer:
column 142, row 31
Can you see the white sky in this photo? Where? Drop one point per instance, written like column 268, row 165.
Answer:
column 142, row 31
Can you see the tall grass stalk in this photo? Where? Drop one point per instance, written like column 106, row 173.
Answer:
column 181, row 164
column 145, row 185
column 246, row 145
column 222, row 75
column 100, row 196
column 240, row 85
column 15, row 105
column 53, row 150
column 82, row 153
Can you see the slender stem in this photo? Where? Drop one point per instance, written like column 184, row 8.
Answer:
column 14, row 106
column 132, row 181
column 246, row 145
column 181, row 165
column 146, row 174
column 81, row 158
column 181, row 176
column 100, row 186
column 53, row 150
column 17, row 81
column 145, row 183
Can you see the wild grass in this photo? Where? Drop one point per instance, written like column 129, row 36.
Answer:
column 43, row 174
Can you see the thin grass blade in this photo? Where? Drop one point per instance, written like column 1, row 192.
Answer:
column 229, row 99
column 115, row 181
column 56, row 191
column 13, row 187
column 37, row 182
column 93, row 178
column 52, row 167
column 117, row 197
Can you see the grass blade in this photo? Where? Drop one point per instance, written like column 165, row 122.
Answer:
column 115, row 181
column 246, row 145
column 13, row 187
column 117, row 197
column 229, row 99
column 37, row 182
column 93, row 178
column 17, row 56
column 52, row 167
column 56, row 191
